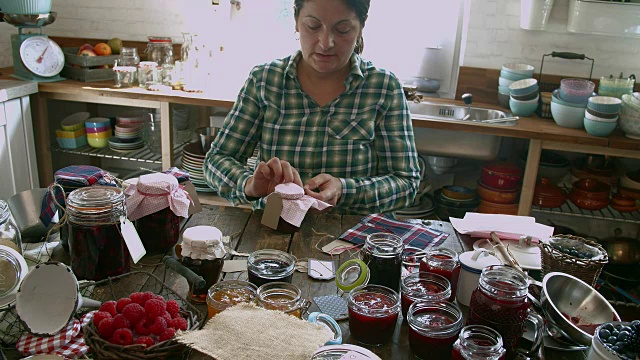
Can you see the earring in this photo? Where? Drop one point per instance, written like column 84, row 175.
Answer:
column 297, row 35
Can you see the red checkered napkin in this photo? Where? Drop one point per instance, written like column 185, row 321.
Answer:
column 30, row 344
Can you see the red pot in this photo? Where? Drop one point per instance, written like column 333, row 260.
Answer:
column 548, row 195
column 590, row 194
column 501, row 176
column 488, row 207
column 495, row 195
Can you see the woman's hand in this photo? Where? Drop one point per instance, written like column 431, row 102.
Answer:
column 268, row 175
column 330, row 188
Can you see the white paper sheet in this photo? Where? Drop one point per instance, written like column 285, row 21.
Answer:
column 505, row 226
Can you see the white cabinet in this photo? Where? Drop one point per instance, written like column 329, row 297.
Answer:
column 18, row 168
column 604, row 18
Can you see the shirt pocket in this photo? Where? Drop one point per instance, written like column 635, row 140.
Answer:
column 352, row 128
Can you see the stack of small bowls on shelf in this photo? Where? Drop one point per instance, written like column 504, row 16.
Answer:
column 98, row 131
column 72, row 135
column 456, row 201
column 601, row 117
column 128, row 132
column 569, row 102
column 499, row 188
column 510, row 73
column 524, row 97
column 630, row 115
column 590, row 194
column 616, row 87
column 628, row 196
column 548, row 195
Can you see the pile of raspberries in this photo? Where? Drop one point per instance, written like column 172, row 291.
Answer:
column 142, row 318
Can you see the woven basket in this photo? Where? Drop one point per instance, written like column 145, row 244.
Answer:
column 585, row 270
column 115, row 288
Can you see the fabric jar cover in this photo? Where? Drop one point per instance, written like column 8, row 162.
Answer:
column 68, row 342
column 203, row 242
column 154, row 192
column 295, row 203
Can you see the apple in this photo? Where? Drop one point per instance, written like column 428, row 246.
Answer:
column 85, row 47
column 87, row 52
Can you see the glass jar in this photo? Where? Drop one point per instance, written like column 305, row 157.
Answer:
column 159, row 231
column 282, row 296
column 147, row 73
column 268, row 265
column 129, row 57
column 96, row 245
column 373, row 313
column 423, row 287
column 9, row 232
column 160, row 50
column 203, row 253
column 228, row 293
column 382, row 253
column 125, row 75
column 477, row 342
column 185, row 48
column 433, row 328
column 343, row 351
column 443, row 262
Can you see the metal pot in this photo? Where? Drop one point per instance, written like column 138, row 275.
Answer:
column 622, row 250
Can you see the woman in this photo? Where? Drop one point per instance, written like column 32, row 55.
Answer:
column 324, row 119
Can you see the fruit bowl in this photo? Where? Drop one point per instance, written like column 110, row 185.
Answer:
column 606, row 345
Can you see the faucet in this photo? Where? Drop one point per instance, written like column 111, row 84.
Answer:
column 468, row 99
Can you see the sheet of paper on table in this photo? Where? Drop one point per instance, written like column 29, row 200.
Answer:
column 505, row 226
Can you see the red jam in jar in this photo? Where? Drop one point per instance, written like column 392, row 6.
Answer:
column 443, row 262
column 433, row 328
column 423, row 287
column 269, row 265
column 477, row 342
column 373, row 313
column 159, row 231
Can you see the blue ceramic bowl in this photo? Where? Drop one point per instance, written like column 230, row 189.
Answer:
column 605, row 104
column 72, row 143
column 555, row 98
column 504, row 90
column 630, row 126
column 523, row 87
column 522, row 108
column 97, row 122
column 567, row 116
column 513, row 76
column 599, row 128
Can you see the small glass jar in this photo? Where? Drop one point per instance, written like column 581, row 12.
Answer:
column 9, row 232
column 443, row 262
column 228, row 293
column 282, row 296
column 423, row 287
column 129, row 57
column 433, row 328
column 147, row 73
column 159, row 231
column 125, row 75
column 373, row 313
column 477, row 342
column 203, row 253
column 382, row 252
column 269, row 265
column 337, row 352
column 160, row 50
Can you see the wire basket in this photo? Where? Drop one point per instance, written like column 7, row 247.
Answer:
column 586, row 270
column 117, row 287
column 10, row 326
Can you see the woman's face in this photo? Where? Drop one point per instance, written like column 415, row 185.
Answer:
column 328, row 34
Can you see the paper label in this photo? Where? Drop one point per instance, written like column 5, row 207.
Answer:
column 132, row 239
column 320, row 269
column 195, row 206
column 234, row 266
column 272, row 211
column 336, row 247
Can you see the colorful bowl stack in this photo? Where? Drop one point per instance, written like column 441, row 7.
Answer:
column 601, row 116
column 72, row 134
column 128, row 133
column 569, row 102
column 98, row 132
column 630, row 115
column 499, row 188
column 509, row 74
column 524, row 97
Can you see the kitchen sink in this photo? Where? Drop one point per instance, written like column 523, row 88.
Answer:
column 448, row 143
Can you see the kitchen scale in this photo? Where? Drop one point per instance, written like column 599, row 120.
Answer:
column 35, row 56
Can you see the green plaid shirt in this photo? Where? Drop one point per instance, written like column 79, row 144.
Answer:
column 364, row 137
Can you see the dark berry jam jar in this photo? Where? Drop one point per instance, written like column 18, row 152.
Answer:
column 269, row 265
column 203, row 253
column 382, row 252
column 228, row 293
column 433, row 328
column 443, row 262
column 159, row 231
column 477, row 342
column 423, row 287
column 373, row 313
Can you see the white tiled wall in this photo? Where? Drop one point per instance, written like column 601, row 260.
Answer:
column 495, row 37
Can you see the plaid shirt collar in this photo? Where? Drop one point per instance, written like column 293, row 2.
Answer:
column 356, row 75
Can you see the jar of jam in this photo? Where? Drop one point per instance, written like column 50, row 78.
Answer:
column 227, row 293
column 373, row 313
column 382, row 252
column 500, row 302
column 96, row 245
column 9, row 232
column 203, row 253
column 443, row 262
column 433, row 328
column 282, row 296
column 343, row 351
column 423, row 287
column 269, row 265
column 477, row 342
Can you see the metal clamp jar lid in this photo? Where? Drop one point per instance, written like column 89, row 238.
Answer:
column 352, row 274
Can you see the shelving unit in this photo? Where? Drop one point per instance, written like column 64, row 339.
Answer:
column 143, row 155
column 608, row 213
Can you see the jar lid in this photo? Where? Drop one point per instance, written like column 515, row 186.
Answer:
column 329, row 323
column 203, row 242
column 476, row 260
column 352, row 274
column 13, row 269
column 159, row 39
column 95, row 198
column 337, row 352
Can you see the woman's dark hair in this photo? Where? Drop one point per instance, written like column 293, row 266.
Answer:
column 360, row 7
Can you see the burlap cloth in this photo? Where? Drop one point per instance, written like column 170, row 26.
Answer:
column 247, row 332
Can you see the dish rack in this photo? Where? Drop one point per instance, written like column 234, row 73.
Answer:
column 544, row 110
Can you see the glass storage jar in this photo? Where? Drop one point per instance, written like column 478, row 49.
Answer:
column 203, row 253
column 433, row 329
column 228, row 293
column 269, row 265
column 148, row 73
column 373, row 313
column 129, row 57
column 423, row 287
column 9, row 233
column 443, row 262
column 382, row 253
column 477, row 342
column 282, row 296
column 160, row 50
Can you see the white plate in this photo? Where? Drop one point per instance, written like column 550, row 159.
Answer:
column 10, row 298
column 528, row 257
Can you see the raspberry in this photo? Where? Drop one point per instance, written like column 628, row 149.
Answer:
column 146, row 296
column 121, row 322
column 158, row 297
column 122, row 303
column 159, row 326
column 178, row 323
column 173, row 308
column 167, row 334
column 106, row 329
column 155, row 308
column 133, row 312
column 136, row 297
column 122, row 337
column 167, row 316
column 145, row 340
column 143, row 327
column 110, row 307
column 98, row 316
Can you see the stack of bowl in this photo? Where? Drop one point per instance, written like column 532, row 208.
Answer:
column 569, row 102
column 72, row 135
column 524, row 97
column 590, row 194
column 601, row 117
column 630, row 115
column 552, row 165
column 510, row 73
column 548, row 195
column 454, row 201
column 629, row 187
column 608, row 86
column 98, row 131
column 499, row 188
column 128, row 132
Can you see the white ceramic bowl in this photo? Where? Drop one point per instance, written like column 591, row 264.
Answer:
column 590, row 116
column 568, row 116
column 522, row 69
column 630, row 126
column 522, row 87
